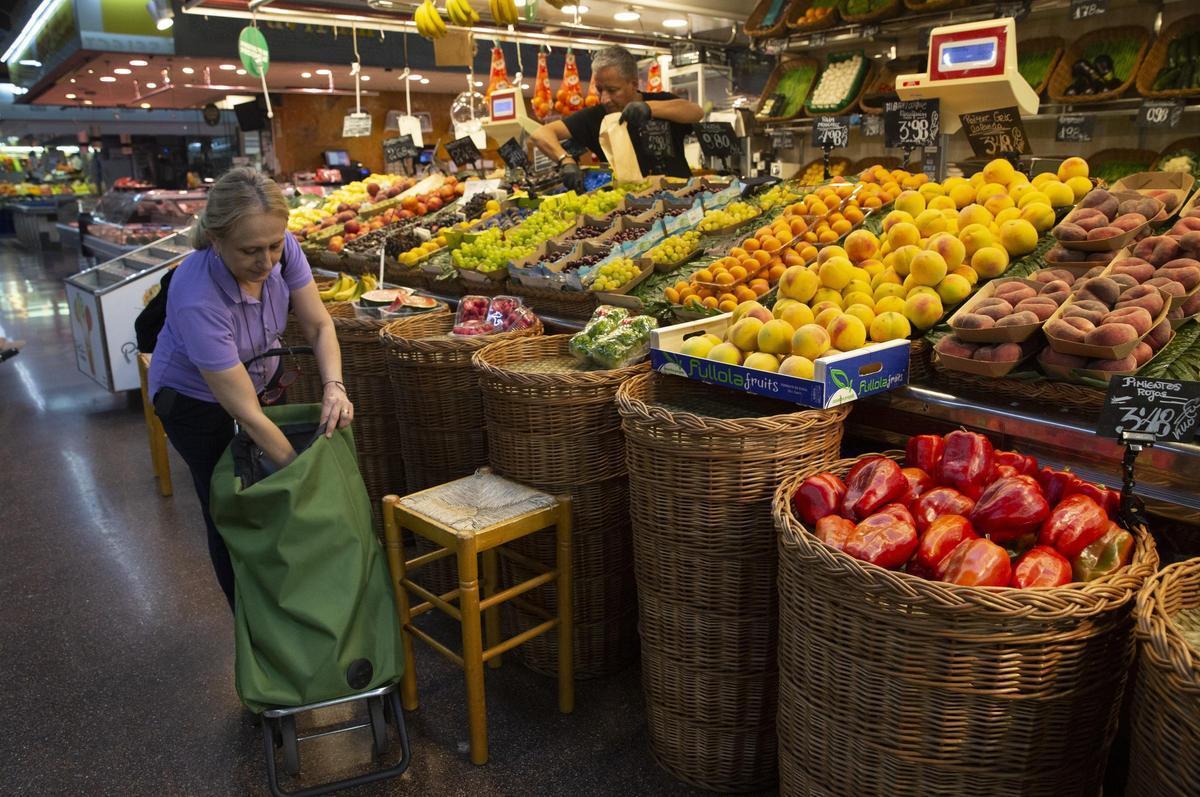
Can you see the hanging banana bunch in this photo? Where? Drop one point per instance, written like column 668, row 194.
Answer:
column 504, row 11
column 429, row 22
column 461, row 13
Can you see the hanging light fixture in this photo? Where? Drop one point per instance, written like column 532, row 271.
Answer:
column 628, row 14
column 162, row 13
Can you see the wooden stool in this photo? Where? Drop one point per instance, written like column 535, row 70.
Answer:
column 468, row 517
column 154, row 430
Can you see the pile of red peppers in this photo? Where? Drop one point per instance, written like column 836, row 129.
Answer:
column 959, row 511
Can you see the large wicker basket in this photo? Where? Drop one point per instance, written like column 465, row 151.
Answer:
column 755, row 28
column 777, row 74
column 703, row 463
column 1060, row 80
column 1054, row 44
column 439, row 410
column 307, row 387
column 1191, row 143
column 552, row 424
column 1165, row 745
column 891, row 684
column 1156, row 58
column 1081, row 399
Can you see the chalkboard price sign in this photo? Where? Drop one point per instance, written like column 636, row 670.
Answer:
column 996, row 132
column 463, row 151
column 872, row 125
column 831, row 132
column 1083, row 9
column 1167, row 409
column 1163, row 114
column 514, row 155
column 1074, row 127
column 397, row 149
column 717, row 139
column 913, row 123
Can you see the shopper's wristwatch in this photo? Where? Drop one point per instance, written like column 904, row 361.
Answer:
column 563, row 157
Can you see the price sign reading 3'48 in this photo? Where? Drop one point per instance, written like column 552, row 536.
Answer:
column 1167, row 409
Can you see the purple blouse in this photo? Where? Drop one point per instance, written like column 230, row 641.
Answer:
column 212, row 324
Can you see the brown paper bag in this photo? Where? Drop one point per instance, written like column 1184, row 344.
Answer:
column 618, row 148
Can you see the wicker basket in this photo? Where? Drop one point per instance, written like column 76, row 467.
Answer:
column 307, row 387
column 893, row 684
column 756, row 30
column 1097, row 160
column 796, row 21
column 887, row 10
column 888, row 72
column 439, row 410
column 1055, row 43
column 1165, row 745
column 1157, row 57
column 702, row 463
column 578, row 305
column 920, row 361
column 783, row 68
column 553, row 425
column 1061, row 79
column 1081, row 399
column 867, row 79
column 1191, row 143
column 932, row 5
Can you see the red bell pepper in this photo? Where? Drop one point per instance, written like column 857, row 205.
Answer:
column 862, row 462
column 1004, row 472
column 1010, row 508
column 924, row 451
column 883, row 539
column 966, row 463
column 919, row 482
column 872, row 486
column 1056, row 483
column 976, row 563
column 1106, row 555
column 834, row 530
column 1073, row 525
column 942, row 537
column 1109, row 500
column 899, row 512
column 1022, row 464
column 818, row 496
column 1041, row 566
column 937, row 502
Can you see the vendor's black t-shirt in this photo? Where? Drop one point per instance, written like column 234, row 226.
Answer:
column 658, row 143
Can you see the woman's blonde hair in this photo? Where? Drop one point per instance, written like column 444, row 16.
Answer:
column 239, row 192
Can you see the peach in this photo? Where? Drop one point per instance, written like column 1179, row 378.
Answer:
column 1192, row 305
column 1169, row 285
column 798, row 283
column 1062, row 330
column 1059, row 297
column 848, row 332
column 949, row 247
column 923, row 310
column 799, row 367
column 1102, row 201
column 1060, row 254
column 1124, row 280
column 990, row 261
column 1144, row 296
column 1159, row 336
column 1185, row 271
column 953, row 347
column 1175, row 313
column 726, row 353
column 861, row 245
column 1055, row 287
column 1100, row 257
column 1115, row 334
column 761, row 361
column 1186, row 225
column 1125, row 365
column 998, row 353
column 1129, row 221
column 928, row 268
column 1013, row 292
column 1104, row 233
column 810, row 341
column 1102, row 289
column 1142, row 354
column 775, row 337
column 1049, row 356
column 744, row 334
column 1020, row 319
column 889, row 326
column 974, row 321
column 1137, row 268
column 743, row 310
column 1040, row 306
column 1136, row 317
column 1068, row 231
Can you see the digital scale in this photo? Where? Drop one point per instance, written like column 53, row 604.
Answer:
column 507, row 117
column 972, row 67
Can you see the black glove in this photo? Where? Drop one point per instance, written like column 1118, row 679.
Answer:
column 635, row 113
column 572, row 177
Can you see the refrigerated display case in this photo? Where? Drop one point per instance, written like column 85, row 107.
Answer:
column 123, row 220
column 105, row 300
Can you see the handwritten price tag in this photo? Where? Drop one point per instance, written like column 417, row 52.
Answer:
column 1165, row 408
column 996, row 132
column 1083, row 9
column 915, row 123
column 831, row 131
column 1076, row 128
column 463, row 151
column 1160, row 113
column 717, row 139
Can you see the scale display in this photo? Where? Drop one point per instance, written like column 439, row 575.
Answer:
column 507, row 117
column 504, row 107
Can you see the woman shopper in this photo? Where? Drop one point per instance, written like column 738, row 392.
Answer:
column 227, row 304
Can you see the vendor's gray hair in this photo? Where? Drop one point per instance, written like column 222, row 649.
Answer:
column 617, row 58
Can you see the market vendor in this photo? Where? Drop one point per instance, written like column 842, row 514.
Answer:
column 615, row 75
column 227, row 304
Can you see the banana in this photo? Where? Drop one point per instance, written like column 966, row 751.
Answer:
column 421, row 21
column 436, row 18
column 508, row 10
column 460, row 12
column 494, row 7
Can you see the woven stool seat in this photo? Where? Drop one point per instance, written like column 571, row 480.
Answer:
column 476, row 503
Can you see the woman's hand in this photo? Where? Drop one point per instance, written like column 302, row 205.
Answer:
column 336, row 409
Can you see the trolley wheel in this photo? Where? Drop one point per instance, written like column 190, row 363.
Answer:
column 291, row 747
column 379, row 730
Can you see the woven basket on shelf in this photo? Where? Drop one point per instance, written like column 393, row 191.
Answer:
column 885, row 10
column 1083, row 399
column 307, row 387
column 1165, row 733
column 1156, row 58
column 397, row 274
column 1040, row 44
column 552, row 424
column 797, row 22
column 1097, row 160
column 439, row 410
column 871, row 101
column 773, row 81
column 703, row 462
column 892, row 684
column 920, row 6
column 848, row 107
column 1062, row 78
column 577, row 305
column 1191, row 143
column 920, row 367
column 754, row 23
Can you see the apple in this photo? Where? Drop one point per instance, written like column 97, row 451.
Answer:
column 421, row 209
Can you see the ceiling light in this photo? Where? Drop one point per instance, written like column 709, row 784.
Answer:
column 72, row 96
column 415, row 77
column 628, row 15
column 519, row 3
column 240, row 72
column 29, row 62
column 424, row 81
column 139, row 62
column 37, row 21
column 107, row 79
column 151, row 85
column 478, row 84
column 228, row 67
column 72, row 81
column 187, row 70
column 524, row 85
column 324, row 72
column 675, row 22
column 365, row 77
column 87, row 102
column 146, row 105
column 306, row 75
column 122, row 71
column 162, row 13
column 580, row 9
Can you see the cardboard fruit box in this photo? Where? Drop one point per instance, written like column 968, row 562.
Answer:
column 1177, row 184
column 1014, row 334
column 837, row 379
column 1074, row 374
column 992, row 370
column 1094, row 352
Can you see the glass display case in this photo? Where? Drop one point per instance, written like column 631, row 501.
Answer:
column 125, row 220
column 105, row 300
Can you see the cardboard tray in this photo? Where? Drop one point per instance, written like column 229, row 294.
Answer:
column 1117, row 241
column 664, row 268
column 991, row 370
column 993, row 335
column 1098, row 352
column 532, row 272
column 1072, row 374
column 620, row 297
column 1077, row 267
column 837, row 379
column 1177, row 183
column 471, row 276
column 1176, row 301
